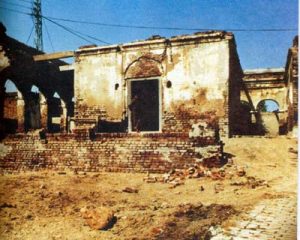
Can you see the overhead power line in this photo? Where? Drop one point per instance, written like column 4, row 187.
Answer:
column 165, row 28
column 44, row 22
column 30, row 34
column 16, row 11
column 15, row 4
column 26, row 1
column 91, row 37
column 173, row 28
column 76, row 33
column 68, row 30
column 83, row 36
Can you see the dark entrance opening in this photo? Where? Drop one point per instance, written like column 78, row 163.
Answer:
column 32, row 111
column 144, row 105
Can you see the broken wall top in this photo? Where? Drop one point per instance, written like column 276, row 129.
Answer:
column 25, row 72
column 268, row 74
column 200, row 37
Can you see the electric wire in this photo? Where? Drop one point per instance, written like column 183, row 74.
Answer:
column 76, row 33
column 15, row 4
column 91, row 37
column 68, row 30
column 164, row 28
column 83, row 36
column 48, row 35
column 16, row 11
column 25, row 1
column 172, row 28
column 30, row 34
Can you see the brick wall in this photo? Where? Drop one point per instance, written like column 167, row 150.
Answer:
column 109, row 152
column 10, row 106
column 178, row 122
column 193, row 74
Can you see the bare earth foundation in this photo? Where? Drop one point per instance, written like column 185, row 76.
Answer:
column 46, row 204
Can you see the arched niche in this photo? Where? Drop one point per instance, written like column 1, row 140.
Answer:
column 143, row 67
column 13, row 108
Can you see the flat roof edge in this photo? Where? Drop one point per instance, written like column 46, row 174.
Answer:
column 264, row 70
column 201, row 35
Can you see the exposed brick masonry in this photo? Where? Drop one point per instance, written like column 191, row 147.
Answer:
column 10, row 106
column 108, row 152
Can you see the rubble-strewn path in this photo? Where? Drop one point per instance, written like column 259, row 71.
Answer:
column 271, row 219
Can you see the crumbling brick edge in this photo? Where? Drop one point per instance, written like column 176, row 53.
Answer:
column 112, row 152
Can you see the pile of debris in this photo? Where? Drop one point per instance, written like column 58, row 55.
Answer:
column 176, row 177
column 250, row 182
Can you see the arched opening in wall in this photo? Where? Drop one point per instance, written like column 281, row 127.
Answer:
column 33, row 109
column 57, row 114
column 144, row 95
column 268, row 105
column 269, row 122
column 13, row 109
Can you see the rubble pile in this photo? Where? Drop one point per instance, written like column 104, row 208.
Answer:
column 176, row 177
column 250, row 182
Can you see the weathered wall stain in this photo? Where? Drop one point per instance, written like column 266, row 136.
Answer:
column 190, row 65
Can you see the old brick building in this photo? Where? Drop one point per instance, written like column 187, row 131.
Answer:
column 150, row 105
column 170, row 84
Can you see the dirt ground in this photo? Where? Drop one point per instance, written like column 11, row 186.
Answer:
column 46, row 205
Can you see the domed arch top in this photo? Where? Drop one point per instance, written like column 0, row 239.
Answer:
column 143, row 67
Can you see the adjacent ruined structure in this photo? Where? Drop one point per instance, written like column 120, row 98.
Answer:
column 291, row 76
column 275, row 87
column 49, row 106
column 263, row 87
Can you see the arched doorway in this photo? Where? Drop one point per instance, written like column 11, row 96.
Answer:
column 268, row 113
column 57, row 121
column 13, row 108
column 144, row 95
column 35, row 109
column 268, row 105
column 145, row 104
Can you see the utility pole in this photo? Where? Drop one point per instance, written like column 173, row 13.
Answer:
column 37, row 19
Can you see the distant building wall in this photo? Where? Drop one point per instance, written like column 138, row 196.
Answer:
column 261, row 85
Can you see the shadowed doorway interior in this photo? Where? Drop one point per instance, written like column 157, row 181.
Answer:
column 144, row 105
